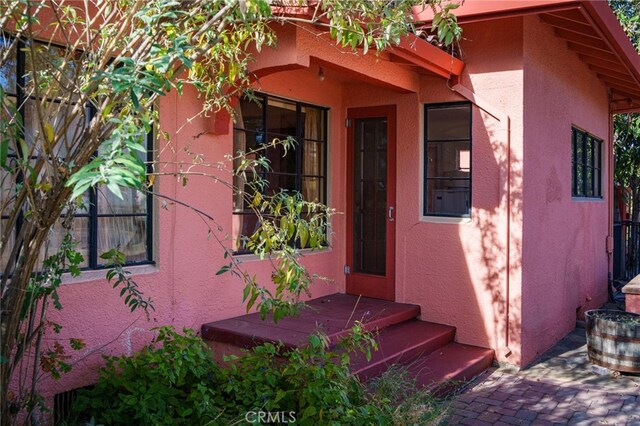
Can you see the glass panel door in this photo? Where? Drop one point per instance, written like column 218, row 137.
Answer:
column 370, row 195
column 371, row 189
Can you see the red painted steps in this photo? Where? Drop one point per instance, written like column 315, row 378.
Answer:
column 446, row 368
column 430, row 354
column 334, row 315
column 427, row 349
column 402, row 343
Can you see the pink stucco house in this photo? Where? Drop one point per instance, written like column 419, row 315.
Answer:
column 478, row 189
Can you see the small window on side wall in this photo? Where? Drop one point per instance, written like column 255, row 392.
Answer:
column 447, row 160
column 586, row 164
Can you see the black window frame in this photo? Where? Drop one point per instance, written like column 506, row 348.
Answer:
column 93, row 262
column 587, row 145
column 264, row 98
column 426, row 178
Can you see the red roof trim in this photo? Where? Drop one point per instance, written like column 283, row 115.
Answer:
column 477, row 10
column 596, row 12
column 428, row 57
column 606, row 22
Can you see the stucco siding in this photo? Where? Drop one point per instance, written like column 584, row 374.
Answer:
column 185, row 289
column 457, row 271
column 564, row 255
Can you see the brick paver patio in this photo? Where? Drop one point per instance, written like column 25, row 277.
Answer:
column 559, row 389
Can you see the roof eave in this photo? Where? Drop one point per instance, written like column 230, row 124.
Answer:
column 474, row 11
column 607, row 24
column 428, row 57
column 600, row 17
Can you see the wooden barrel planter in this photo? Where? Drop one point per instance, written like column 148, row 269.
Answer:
column 613, row 339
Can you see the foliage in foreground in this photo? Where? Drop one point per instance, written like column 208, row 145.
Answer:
column 175, row 381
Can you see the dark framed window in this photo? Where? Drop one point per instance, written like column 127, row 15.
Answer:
column 104, row 221
column 303, row 170
column 586, row 164
column 447, row 159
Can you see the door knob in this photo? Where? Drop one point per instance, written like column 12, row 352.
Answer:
column 390, row 214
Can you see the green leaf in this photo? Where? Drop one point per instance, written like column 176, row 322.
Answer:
column 315, row 341
column 56, row 300
column 225, row 268
column 133, row 163
column 246, row 291
column 448, row 38
column 111, row 273
column 251, row 301
column 80, row 189
column 76, row 344
column 303, row 234
column 309, row 412
column 278, row 314
column 115, row 189
column 4, row 152
column 109, row 254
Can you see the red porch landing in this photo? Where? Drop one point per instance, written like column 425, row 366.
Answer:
column 427, row 348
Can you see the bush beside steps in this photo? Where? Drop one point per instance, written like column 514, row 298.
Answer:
column 175, row 381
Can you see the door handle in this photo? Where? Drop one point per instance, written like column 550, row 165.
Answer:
column 390, row 214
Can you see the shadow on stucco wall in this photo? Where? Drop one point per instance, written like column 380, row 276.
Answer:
column 497, row 279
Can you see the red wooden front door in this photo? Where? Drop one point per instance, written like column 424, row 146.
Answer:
column 371, row 196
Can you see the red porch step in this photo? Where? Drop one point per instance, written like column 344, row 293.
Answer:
column 402, row 343
column 334, row 315
column 427, row 349
column 450, row 366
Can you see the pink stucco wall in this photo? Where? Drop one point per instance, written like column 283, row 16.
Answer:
column 183, row 284
column 455, row 270
column 565, row 265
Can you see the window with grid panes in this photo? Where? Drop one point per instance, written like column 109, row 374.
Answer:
column 104, row 221
column 586, row 164
column 447, row 160
column 302, row 169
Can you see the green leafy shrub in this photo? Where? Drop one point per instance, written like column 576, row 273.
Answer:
column 171, row 381
column 175, row 381
column 312, row 381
